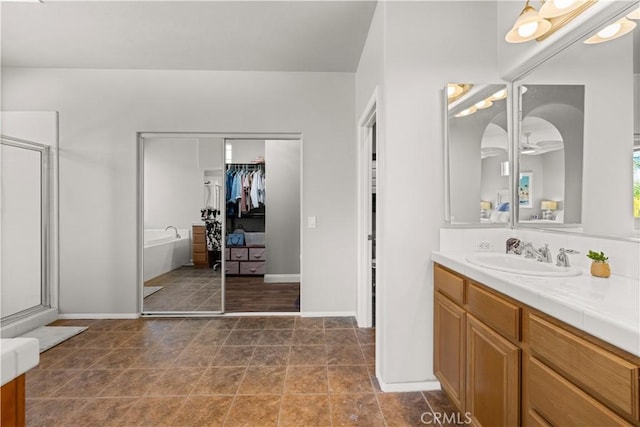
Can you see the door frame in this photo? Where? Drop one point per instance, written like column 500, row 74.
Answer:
column 364, row 312
column 140, row 211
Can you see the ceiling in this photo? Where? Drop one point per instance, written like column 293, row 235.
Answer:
column 178, row 35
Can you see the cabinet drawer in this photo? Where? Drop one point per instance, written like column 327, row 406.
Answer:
column 535, row 420
column 199, row 239
column 198, row 230
column 498, row 313
column 601, row 373
column 231, row 267
column 449, row 284
column 227, row 254
column 252, row 267
column 239, row 254
column 257, row 254
column 564, row 404
column 199, row 257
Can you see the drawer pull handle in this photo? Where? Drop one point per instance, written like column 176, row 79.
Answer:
column 257, row 256
column 238, row 256
column 253, row 270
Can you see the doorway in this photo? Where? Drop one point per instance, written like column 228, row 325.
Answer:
column 190, row 261
column 368, row 188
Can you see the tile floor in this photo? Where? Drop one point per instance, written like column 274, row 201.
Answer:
column 185, row 289
column 242, row 371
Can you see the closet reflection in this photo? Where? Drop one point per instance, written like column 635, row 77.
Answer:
column 183, row 224
column 262, row 233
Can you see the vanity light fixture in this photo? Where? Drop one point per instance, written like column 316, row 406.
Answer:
column 635, row 14
column 528, row 26
column 554, row 8
column 612, row 31
column 553, row 15
column 456, row 90
column 484, row 104
column 467, row 112
column 501, row 94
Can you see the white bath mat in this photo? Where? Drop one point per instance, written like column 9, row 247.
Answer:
column 48, row 336
column 148, row 290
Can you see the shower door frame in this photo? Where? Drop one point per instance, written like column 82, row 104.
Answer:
column 45, row 238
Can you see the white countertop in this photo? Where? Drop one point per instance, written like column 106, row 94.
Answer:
column 18, row 356
column 606, row 308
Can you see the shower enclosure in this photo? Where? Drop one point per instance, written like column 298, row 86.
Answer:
column 26, row 230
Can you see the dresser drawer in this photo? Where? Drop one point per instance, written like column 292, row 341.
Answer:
column 199, row 239
column 601, row 373
column 449, row 284
column 199, row 257
column 562, row 403
column 198, row 230
column 257, row 254
column 496, row 312
column 232, row 267
column 252, row 267
column 239, row 254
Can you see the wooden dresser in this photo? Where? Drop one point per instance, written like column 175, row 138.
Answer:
column 199, row 247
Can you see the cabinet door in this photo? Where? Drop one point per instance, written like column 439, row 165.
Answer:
column 493, row 377
column 449, row 361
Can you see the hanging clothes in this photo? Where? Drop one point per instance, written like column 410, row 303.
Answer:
column 245, row 188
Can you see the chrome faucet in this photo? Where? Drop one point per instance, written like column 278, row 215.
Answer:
column 563, row 257
column 177, row 234
column 542, row 255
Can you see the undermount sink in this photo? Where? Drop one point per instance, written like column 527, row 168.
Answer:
column 520, row 265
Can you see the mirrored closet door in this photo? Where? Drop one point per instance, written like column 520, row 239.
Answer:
column 183, row 222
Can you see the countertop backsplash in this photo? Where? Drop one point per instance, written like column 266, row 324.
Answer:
column 624, row 256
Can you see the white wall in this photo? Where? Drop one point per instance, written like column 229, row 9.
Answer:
column 173, row 183
column 417, row 64
column 283, row 206
column 246, row 150
column 492, row 180
column 100, row 113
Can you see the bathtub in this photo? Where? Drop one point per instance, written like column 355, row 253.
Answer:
column 163, row 252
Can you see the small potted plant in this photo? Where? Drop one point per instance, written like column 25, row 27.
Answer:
column 599, row 265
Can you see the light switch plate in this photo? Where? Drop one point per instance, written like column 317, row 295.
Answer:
column 311, row 222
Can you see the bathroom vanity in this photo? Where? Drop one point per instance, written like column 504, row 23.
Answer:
column 18, row 356
column 516, row 350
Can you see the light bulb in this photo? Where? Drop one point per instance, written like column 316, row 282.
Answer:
column 450, row 90
column 499, row 95
column 563, row 4
column 484, row 104
column 609, row 31
column 527, row 29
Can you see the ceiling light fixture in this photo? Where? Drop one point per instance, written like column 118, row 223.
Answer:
column 553, row 15
column 612, row 31
column 635, row 14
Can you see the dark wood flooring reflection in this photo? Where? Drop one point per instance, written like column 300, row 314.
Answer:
column 225, row 371
column 245, row 294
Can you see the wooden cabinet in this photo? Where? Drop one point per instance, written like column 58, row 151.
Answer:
column 493, row 377
column 245, row 260
column 449, row 357
column 12, row 396
column 507, row 364
column 199, row 247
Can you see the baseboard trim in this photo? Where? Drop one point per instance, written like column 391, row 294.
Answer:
column 71, row 316
column 281, row 278
column 411, row 386
column 328, row 314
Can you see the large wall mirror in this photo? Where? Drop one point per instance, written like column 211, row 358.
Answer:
column 577, row 160
column 477, row 146
column 182, row 224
